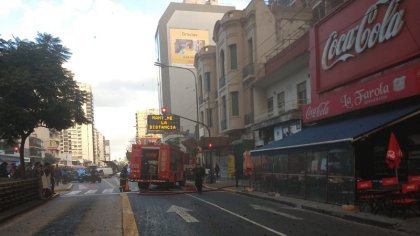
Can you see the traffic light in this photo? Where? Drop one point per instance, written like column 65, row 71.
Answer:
column 16, row 148
column 210, row 145
column 164, row 110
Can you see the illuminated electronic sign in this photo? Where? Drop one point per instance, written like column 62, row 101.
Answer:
column 163, row 123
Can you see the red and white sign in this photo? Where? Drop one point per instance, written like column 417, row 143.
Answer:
column 362, row 38
column 401, row 83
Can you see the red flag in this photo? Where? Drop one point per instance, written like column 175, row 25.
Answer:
column 248, row 166
column 394, row 153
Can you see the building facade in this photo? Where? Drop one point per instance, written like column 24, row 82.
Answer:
column 178, row 38
column 360, row 96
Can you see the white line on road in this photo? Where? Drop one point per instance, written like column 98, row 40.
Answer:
column 74, row 192
column 92, row 191
column 267, row 209
column 108, row 190
column 239, row 216
column 182, row 212
column 112, row 185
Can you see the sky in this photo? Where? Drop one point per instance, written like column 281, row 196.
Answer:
column 113, row 50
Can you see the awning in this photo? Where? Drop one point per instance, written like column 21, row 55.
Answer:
column 346, row 130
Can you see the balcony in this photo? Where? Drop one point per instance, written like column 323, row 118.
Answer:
column 222, row 81
column 248, row 72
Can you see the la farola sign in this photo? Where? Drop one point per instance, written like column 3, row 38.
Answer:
column 402, row 83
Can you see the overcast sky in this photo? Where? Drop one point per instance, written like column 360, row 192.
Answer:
column 113, row 50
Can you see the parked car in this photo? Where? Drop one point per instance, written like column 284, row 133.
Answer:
column 105, row 172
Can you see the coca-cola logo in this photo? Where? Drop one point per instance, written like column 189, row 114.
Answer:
column 319, row 111
column 364, row 35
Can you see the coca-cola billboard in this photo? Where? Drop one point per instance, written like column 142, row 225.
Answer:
column 383, row 87
column 362, row 38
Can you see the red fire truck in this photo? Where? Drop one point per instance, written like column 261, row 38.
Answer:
column 158, row 164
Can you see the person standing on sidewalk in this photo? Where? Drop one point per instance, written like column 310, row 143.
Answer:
column 199, row 173
column 123, row 178
column 217, row 170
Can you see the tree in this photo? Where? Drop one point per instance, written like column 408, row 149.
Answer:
column 49, row 158
column 36, row 90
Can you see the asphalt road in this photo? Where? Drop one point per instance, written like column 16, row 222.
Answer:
column 224, row 213
column 100, row 209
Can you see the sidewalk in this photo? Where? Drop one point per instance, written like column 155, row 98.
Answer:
column 410, row 225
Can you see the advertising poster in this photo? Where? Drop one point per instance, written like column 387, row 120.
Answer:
column 185, row 43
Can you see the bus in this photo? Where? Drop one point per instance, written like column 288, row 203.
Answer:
column 157, row 164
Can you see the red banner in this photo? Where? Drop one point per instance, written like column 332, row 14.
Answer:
column 394, row 153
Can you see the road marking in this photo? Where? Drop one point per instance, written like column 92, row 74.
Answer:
column 239, row 216
column 129, row 222
column 74, row 192
column 92, row 191
column 267, row 209
column 182, row 212
column 108, row 190
column 112, row 185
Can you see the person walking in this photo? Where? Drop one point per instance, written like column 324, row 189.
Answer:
column 199, row 173
column 217, row 170
column 3, row 170
column 123, row 178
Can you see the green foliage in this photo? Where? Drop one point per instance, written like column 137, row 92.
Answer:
column 49, row 158
column 35, row 89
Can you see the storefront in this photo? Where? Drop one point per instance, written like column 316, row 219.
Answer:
column 365, row 78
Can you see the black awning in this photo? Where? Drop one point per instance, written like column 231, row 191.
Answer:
column 345, row 130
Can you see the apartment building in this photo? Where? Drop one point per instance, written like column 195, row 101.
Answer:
column 79, row 141
column 142, row 136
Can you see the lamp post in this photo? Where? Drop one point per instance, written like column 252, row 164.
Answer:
column 161, row 65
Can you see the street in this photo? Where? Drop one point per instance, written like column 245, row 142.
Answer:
column 99, row 209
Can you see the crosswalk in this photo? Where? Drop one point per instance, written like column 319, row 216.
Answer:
column 91, row 192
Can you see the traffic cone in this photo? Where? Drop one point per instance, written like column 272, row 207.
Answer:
column 126, row 187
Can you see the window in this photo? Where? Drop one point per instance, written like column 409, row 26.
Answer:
column 233, row 57
column 301, row 94
column 200, row 86
column 224, row 108
column 209, row 117
column 222, row 63
column 270, row 105
column 235, row 103
column 281, row 106
column 250, row 51
column 207, row 81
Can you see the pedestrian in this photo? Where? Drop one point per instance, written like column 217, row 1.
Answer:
column 57, row 175
column 52, row 178
column 123, row 178
column 217, row 170
column 3, row 170
column 199, row 173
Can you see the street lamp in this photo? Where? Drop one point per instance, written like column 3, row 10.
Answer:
column 161, row 65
